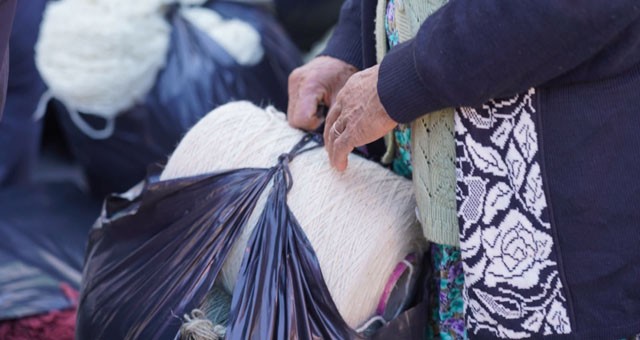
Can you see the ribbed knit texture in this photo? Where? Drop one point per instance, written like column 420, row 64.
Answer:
column 346, row 41
column 433, row 145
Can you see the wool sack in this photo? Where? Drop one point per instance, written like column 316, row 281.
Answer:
column 101, row 57
column 131, row 77
column 97, row 59
column 361, row 222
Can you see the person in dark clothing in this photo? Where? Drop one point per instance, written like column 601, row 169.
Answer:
column 546, row 148
column 7, row 10
column 24, row 89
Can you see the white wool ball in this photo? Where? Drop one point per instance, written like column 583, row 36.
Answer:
column 361, row 223
column 237, row 37
column 95, row 59
column 203, row 18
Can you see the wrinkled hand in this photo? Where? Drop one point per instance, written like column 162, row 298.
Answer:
column 356, row 118
column 317, row 82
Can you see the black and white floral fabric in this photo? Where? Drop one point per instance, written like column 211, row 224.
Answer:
column 513, row 287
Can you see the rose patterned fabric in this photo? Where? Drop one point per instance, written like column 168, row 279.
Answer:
column 447, row 304
column 513, row 287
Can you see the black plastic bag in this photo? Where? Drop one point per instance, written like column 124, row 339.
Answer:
column 412, row 323
column 199, row 76
column 280, row 290
column 155, row 256
column 44, row 229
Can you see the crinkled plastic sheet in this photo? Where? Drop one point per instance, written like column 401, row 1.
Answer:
column 156, row 252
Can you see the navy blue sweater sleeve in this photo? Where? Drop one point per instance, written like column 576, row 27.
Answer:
column 7, row 10
column 470, row 51
column 346, row 41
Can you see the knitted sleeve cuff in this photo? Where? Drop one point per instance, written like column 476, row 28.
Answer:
column 346, row 41
column 343, row 47
column 402, row 92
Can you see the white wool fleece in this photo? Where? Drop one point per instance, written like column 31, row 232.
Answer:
column 142, row 6
column 97, row 60
column 237, row 37
column 101, row 57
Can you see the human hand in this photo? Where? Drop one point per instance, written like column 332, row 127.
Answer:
column 356, row 118
column 319, row 81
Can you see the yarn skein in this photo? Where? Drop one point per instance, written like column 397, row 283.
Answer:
column 361, row 222
column 207, row 323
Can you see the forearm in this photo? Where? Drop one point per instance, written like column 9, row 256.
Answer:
column 471, row 51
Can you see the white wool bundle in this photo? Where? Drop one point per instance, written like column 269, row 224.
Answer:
column 129, row 7
column 237, row 37
column 101, row 57
column 361, row 223
column 143, row 6
column 97, row 60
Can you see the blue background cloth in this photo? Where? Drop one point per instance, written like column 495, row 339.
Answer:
column 19, row 134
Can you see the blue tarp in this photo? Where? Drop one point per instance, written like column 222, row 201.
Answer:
column 43, row 232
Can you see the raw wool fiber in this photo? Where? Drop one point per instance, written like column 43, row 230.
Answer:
column 101, row 57
column 237, row 37
column 128, row 7
column 361, row 223
column 136, row 7
column 97, row 60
